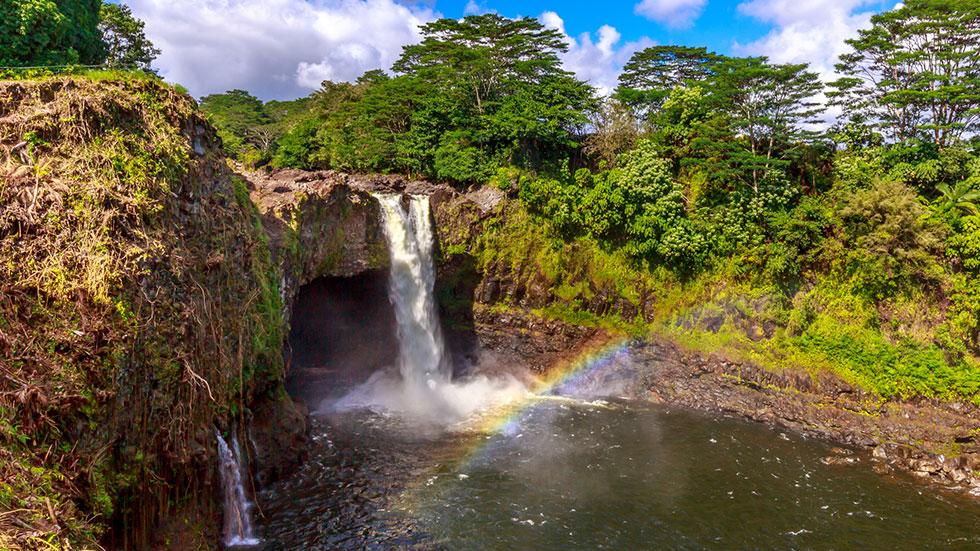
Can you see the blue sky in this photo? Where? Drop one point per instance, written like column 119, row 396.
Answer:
column 718, row 27
column 282, row 49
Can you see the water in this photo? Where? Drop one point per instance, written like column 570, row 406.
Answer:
column 410, row 240
column 571, row 475
column 421, row 386
column 237, row 530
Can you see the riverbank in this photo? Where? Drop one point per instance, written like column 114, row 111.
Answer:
column 933, row 440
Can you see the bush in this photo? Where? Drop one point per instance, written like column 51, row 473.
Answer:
column 892, row 241
column 457, row 160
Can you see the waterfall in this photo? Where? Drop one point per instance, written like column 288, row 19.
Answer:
column 238, row 518
column 423, row 387
column 410, row 240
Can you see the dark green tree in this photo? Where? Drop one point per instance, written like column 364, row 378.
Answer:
column 126, row 45
column 769, row 107
column 236, row 114
column 754, row 120
column 49, row 32
column 650, row 74
column 500, row 83
column 916, row 71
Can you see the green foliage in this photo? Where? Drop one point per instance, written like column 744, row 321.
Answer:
column 891, row 242
column 905, row 369
column 297, row 148
column 236, row 114
column 126, row 45
column 916, row 71
column 651, row 74
column 456, row 159
column 49, row 32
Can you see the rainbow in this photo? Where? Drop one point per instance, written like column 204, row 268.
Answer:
column 503, row 419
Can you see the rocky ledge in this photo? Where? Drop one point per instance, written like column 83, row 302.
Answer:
column 932, row 440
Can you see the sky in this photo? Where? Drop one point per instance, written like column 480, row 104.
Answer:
column 284, row 49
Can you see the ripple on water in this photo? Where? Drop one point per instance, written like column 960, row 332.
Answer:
column 599, row 476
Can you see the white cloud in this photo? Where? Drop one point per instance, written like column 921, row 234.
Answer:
column 807, row 31
column 476, row 8
column 598, row 62
column 673, row 13
column 810, row 31
column 276, row 49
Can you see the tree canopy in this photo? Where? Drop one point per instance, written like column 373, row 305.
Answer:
column 650, row 74
column 126, row 45
column 49, row 32
column 916, row 71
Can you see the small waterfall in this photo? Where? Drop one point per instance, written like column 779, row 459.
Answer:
column 410, row 240
column 238, row 518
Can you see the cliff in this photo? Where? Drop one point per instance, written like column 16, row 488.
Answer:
column 139, row 311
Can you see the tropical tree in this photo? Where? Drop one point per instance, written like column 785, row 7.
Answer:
column 916, row 71
column 499, row 82
column 49, row 32
column 236, row 114
column 614, row 131
column 649, row 76
column 125, row 38
column 769, row 108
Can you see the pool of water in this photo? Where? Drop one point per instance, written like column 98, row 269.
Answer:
column 565, row 474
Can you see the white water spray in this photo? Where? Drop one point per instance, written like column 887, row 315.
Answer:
column 420, row 346
column 424, row 387
column 238, row 517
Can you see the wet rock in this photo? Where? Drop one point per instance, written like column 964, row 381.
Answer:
column 927, row 466
column 836, row 460
column 279, row 436
column 882, row 468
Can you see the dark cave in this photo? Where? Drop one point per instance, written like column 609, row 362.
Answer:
column 343, row 330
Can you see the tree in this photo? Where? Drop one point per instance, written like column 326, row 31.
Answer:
column 236, row 114
column 499, row 82
column 614, row 131
column 49, row 32
column 755, row 119
column 650, row 74
column 916, row 71
column 125, row 39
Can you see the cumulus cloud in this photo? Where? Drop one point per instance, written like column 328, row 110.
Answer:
column 810, row 31
column 807, row 31
column 276, row 49
column 673, row 13
column 597, row 61
column 476, row 8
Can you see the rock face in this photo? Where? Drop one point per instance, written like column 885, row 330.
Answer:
column 327, row 224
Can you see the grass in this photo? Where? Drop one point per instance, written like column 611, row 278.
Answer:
column 139, row 304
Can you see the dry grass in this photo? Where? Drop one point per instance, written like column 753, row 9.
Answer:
column 137, row 307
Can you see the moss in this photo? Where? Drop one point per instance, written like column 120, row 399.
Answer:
column 145, row 299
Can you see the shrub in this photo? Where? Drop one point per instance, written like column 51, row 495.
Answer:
column 892, row 241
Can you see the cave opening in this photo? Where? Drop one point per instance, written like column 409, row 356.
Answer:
column 343, row 330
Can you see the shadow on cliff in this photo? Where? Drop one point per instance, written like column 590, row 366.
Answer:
column 455, row 290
